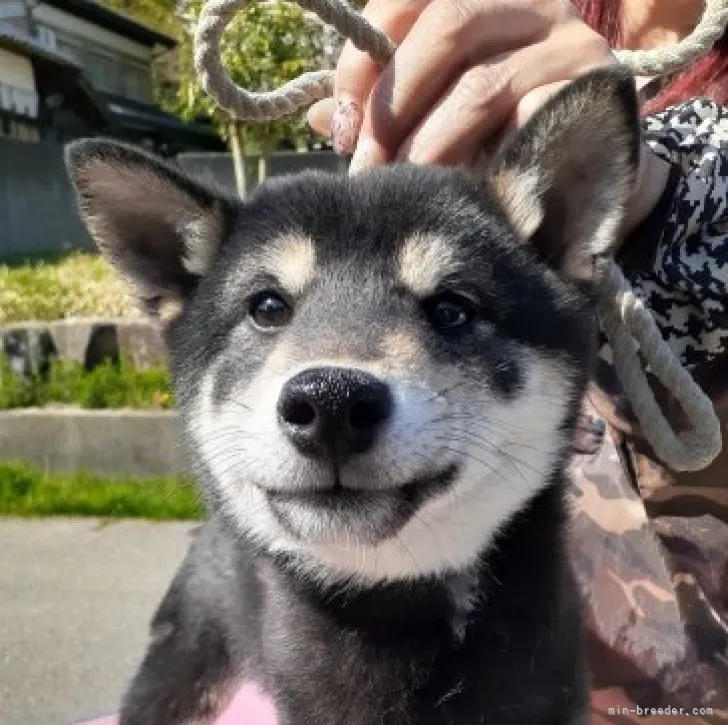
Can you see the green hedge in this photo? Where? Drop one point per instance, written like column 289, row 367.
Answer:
column 26, row 490
column 79, row 284
column 108, row 385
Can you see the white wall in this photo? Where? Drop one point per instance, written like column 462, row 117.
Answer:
column 16, row 70
column 17, row 84
column 11, row 9
column 56, row 18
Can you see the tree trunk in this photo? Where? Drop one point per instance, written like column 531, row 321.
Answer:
column 237, row 147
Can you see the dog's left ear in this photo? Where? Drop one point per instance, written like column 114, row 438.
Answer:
column 158, row 226
column 566, row 177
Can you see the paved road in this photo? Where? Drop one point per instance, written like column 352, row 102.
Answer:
column 75, row 600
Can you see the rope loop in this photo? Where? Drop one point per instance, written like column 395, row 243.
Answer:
column 626, row 321
column 299, row 93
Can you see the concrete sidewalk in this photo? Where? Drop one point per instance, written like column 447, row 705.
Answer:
column 76, row 596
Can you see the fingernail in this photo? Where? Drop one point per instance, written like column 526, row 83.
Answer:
column 363, row 156
column 345, row 125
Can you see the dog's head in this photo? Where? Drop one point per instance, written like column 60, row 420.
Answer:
column 375, row 373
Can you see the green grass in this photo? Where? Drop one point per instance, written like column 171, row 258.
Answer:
column 26, row 490
column 108, row 385
column 79, row 284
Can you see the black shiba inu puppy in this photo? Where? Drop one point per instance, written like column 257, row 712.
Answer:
column 379, row 379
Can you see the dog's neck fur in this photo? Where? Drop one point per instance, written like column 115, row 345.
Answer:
column 438, row 636
column 523, row 559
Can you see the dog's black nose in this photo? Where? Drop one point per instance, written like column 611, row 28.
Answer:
column 334, row 411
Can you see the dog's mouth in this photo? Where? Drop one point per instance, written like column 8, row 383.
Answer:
column 368, row 515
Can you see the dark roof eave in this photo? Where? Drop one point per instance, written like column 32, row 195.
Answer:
column 141, row 115
column 115, row 21
column 95, row 99
column 147, row 126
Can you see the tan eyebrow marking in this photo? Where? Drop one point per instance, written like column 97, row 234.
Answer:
column 292, row 259
column 424, row 260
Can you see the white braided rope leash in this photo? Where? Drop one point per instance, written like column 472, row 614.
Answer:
column 308, row 88
column 671, row 58
column 625, row 320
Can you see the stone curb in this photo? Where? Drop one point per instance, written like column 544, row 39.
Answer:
column 107, row 442
column 30, row 346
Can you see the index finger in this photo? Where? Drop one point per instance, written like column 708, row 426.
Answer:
column 356, row 71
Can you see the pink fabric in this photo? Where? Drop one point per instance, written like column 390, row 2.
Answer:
column 251, row 706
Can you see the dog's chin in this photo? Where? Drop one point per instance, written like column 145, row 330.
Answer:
column 341, row 515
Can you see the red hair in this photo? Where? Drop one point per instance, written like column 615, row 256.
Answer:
column 707, row 78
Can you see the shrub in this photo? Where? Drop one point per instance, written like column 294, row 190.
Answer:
column 80, row 284
column 109, row 385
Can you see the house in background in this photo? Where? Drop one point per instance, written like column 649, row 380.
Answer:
column 70, row 69
column 73, row 68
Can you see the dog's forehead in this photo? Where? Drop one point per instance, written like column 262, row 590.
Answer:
column 396, row 232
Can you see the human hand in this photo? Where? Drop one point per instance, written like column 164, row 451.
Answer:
column 463, row 70
column 463, row 73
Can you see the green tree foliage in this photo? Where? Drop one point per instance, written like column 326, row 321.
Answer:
column 157, row 14
column 267, row 44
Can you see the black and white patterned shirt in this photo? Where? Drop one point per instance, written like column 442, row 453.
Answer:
column 685, row 281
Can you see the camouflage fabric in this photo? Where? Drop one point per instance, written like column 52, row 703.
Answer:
column 655, row 582
column 650, row 546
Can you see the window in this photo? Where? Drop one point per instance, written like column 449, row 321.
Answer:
column 47, row 37
column 103, row 72
column 136, row 83
column 19, row 130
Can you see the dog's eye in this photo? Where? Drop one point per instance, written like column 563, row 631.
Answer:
column 449, row 311
column 269, row 310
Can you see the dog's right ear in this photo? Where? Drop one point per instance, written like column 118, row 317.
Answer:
column 159, row 228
